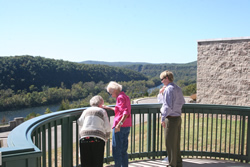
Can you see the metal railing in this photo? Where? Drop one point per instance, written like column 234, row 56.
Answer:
column 208, row 131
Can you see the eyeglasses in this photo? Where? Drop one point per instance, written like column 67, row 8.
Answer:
column 110, row 93
column 163, row 78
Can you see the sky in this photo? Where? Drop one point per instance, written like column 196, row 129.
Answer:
column 152, row 31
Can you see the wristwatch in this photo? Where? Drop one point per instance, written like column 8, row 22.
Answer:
column 121, row 123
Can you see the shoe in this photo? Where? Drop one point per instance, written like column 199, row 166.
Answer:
column 165, row 160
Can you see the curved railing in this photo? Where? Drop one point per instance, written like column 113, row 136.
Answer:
column 208, row 131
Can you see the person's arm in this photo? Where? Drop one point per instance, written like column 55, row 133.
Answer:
column 107, row 126
column 160, row 98
column 108, row 108
column 121, row 104
column 160, row 95
column 80, row 120
column 167, row 104
column 124, row 117
column 80, row 123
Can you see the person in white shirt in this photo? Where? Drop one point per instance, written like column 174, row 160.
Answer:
column 94, row 130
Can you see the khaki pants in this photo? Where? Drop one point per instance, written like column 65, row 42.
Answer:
column 172, row 134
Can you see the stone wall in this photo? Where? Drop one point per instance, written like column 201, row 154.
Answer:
column 12, row 124
column 223, row 71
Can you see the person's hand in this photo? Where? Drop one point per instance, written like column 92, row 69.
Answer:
column 162, row 89
column 108, row 108
column 117, row 129
column 163, row 124
column 105, row 107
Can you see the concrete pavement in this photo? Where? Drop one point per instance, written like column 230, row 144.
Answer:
column 187, row 162
column 3, row 138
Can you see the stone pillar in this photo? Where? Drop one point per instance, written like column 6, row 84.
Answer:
column 223, row 71
column 12, row 124
column 19, row 120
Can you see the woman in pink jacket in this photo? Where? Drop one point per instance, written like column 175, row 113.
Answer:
column 121, row 125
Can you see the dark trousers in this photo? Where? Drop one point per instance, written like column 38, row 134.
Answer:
column 92, row 152
column 172, row 137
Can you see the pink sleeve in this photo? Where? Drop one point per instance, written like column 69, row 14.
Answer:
column 121, row 105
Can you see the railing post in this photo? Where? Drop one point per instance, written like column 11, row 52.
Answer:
column 248, row 140
column 243, row 137
column 66, row 139
column 44, row 146
column 149, row 134
column 154, row 134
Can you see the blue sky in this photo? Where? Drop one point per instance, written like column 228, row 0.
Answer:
column 153, row 31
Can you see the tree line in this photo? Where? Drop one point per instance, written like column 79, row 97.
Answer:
column 19, row 72
column 186, row 72
column 28, row 81
column 78, row 95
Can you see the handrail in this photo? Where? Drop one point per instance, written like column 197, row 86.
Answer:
column 208, row 124
column 19, row 136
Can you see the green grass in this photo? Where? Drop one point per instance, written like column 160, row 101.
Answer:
column 215, row 134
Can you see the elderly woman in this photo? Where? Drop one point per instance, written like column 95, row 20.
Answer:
column 121, row 125
column 94, row 131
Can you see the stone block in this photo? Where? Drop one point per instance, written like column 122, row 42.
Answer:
column 223, row 71
column 12, row 124
column 19, row 120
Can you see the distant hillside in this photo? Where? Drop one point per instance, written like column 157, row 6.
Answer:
column 187, row 71
column 117, row 64
column 20, row 72
column 181, row 71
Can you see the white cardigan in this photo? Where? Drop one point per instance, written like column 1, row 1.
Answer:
column 94, row 122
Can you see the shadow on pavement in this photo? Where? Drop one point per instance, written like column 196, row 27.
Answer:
column 187, row 163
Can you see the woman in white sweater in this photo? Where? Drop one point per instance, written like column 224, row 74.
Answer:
column 94, row 130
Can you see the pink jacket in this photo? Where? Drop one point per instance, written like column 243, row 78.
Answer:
column 122, row 107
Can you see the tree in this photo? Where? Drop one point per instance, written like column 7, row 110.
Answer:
column 47, row 111
column 189, row 90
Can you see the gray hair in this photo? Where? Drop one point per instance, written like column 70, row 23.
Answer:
column 96, row 101
column 114, row 86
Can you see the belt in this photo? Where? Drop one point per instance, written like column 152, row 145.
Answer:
column 90, row 140
column 172, row 116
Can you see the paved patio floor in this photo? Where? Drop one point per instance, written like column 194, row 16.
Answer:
column 187, row 163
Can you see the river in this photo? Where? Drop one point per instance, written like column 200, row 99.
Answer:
column 11, row 114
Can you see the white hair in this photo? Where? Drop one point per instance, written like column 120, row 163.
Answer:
column 114, row 86
column 96, row 101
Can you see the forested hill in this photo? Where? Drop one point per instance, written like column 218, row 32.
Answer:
column 186, row 71
column 117, row 64
column 21, row 72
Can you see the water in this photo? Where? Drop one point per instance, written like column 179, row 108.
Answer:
column 157, row 87
column 11, row 114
